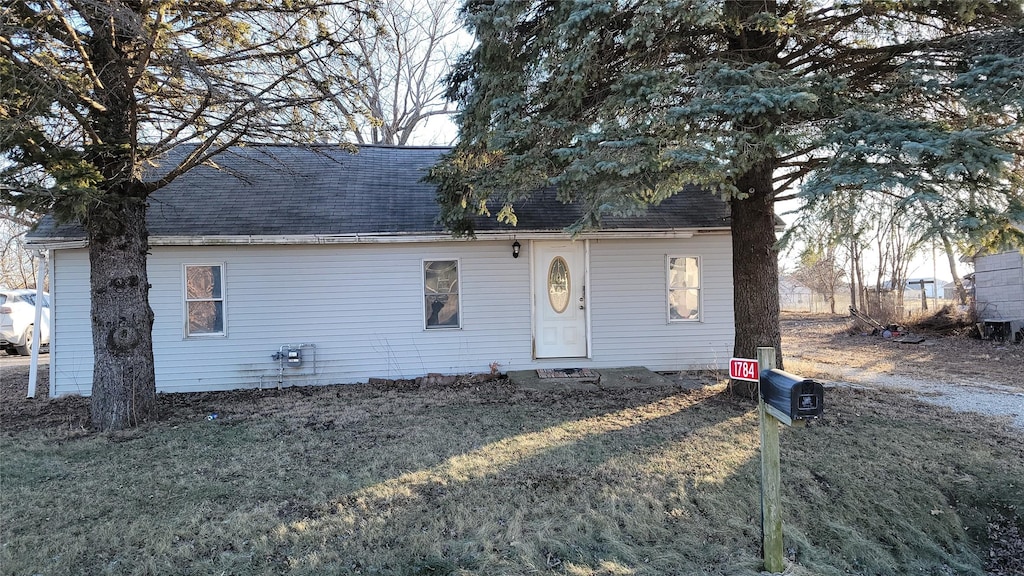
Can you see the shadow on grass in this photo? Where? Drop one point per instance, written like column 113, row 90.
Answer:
column 604, row 489
column 504, row 482
column 671, row 492
column 382, row 455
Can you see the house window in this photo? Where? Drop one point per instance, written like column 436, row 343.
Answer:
column 204, row 300
column 441, row 293
column 683, row 288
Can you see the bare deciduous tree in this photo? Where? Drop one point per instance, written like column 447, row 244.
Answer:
column 821, row 269
column 92, row 97
column 897, row 242
column 395, row 72
column 17, row 267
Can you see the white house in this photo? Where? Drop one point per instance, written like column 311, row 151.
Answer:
column 795, row 296
column 913, row 287
column 313, row 265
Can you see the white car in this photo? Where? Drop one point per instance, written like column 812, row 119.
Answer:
column 17, row 315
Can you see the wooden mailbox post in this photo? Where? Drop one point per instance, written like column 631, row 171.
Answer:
column 790, row 400
column 771, row 489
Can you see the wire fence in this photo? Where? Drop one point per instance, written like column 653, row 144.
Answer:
column 883, row 307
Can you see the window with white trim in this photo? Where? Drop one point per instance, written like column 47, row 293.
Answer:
column 683, row 288
column 441, row 294
column 204, row 300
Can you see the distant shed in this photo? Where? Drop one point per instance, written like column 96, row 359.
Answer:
column 999, row 286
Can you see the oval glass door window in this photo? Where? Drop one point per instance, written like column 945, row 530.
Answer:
column 558, row 284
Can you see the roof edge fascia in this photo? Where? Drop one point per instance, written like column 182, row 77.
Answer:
column 389, row 238
column 55, row 243
column 394, row 238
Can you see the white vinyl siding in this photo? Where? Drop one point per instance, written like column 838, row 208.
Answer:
column 70, row 323
column 362, row 307
column 627, row 304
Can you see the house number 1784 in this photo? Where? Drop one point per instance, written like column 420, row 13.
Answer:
column 744, row 369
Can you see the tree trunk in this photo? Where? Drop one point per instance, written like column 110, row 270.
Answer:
column 947, row 247
column 755, row 265
column 755, row 270
column 860, row 283
column 124, row 380
column 853, row 277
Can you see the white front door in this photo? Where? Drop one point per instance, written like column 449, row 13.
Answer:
column 559, row 294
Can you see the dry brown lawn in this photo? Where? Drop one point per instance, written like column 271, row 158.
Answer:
column 828, row 340
column 491, row 479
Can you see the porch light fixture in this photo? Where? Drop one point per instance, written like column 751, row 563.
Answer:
column 515, row 249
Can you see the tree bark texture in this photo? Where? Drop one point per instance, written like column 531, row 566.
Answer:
column 124, row 379
column 755, row 257
column 947, row 247
column 854, row 263
column 755, row 270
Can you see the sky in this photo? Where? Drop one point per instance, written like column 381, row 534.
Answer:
column 436, row 131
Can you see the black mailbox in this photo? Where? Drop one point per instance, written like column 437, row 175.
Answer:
column 792, row 395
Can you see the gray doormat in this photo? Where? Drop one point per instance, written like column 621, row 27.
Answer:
column 566, row 373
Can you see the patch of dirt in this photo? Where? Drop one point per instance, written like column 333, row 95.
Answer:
column 958, row 359
column 17, row 412
column 70, row 414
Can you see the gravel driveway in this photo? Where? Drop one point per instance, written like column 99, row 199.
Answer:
column 987, row 399
column 962, row 373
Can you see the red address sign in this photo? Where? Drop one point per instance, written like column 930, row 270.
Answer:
column 744, row 369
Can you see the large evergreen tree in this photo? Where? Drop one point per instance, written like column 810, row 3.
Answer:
column 619, row 103
column 93, row 95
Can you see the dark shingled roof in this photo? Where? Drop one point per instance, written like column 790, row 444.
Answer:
column 272, row 190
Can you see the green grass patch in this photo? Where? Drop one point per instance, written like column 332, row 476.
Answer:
column 354, row 480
